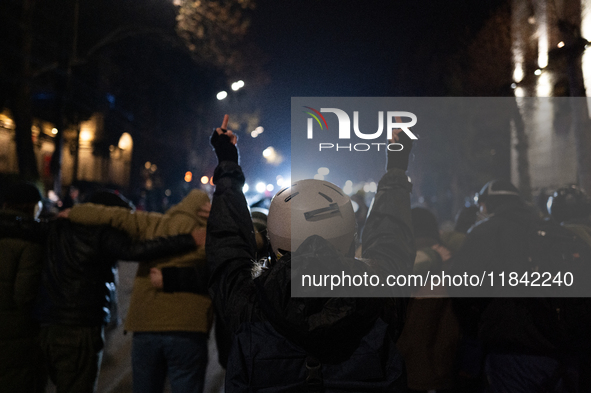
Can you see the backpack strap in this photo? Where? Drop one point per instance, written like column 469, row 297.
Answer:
column 314, row 382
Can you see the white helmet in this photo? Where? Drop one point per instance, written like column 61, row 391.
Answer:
column 311, row 207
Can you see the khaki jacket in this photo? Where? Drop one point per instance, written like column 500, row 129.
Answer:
column 151, row 309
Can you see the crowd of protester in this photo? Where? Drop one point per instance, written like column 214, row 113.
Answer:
column 224, row 260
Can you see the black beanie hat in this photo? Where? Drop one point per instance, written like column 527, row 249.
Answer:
column 22, row 193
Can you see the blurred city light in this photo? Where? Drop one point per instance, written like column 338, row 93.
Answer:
column 188, row 176
column 245, row 188
column 538, row 72
column 237, row 85
column 560, row 44
column 52, row 196
column 318, row 176
column 125, row 141
column 54, row 131
column 272, row 156
column 221, row 95
column 279, row 179
column 348, row 189
column 261, row 187
column 85, row 135
column 323, row 171
column 153, row 168
column 148, row 165
column 204, row 179
column 167, row 193
column 270, row 187
column 257, row 131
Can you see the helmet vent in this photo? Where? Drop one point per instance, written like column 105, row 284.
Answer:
column 281, row 192
column 291, row 196
column 325, row 197
column 323, row 213
column 334, row 189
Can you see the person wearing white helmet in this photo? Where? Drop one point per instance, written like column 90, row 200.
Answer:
column 315, row 344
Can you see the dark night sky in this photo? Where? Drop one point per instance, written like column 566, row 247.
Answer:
column 350, row 48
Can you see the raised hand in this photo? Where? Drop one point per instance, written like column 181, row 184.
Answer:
column 224, row 142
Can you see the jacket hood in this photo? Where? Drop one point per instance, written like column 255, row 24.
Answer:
column 316, row 323
column 190, row 205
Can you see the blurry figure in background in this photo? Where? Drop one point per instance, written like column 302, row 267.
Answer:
column 72, row 198
column 429, row 340
column 21, row 361
column 465, row 219
column 571, row 207
column 541, row 202
column 73, row 301
column 361, row 211
column 531, row 344
column 170, row 329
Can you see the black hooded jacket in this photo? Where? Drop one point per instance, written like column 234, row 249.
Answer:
column 77, row 268
column 281, row 332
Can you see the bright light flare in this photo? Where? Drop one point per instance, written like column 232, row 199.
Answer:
column 323, row 171
column 348, row 189
column 261, row 187
column 237, row 85
column 188, row 176
column 270, row 187
column 221, row 95
column 125, row 141
column 245, row 188
column 204, row 179
column 257, row 131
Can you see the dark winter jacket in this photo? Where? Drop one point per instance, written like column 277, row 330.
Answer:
column 20, row 272
column 533, row 325
column 277, row 335
column 78, row 269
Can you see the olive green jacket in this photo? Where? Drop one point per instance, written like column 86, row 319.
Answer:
column 151, row 309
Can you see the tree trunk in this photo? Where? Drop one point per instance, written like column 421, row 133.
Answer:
column 522, row 149
column 570, row 28
column 68, row 53
column 22, row 112
column 581, row 123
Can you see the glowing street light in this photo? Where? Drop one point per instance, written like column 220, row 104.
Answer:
column 221, row 95
column 257, row 131
column 237, row 85
column 188, row 176
column 261, row 187
column 323, row 171
column 204, row 179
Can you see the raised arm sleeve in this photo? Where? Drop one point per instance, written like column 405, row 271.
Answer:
column 132, row 222
column 119, row 245
column 230, row 245
column 387, row 237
